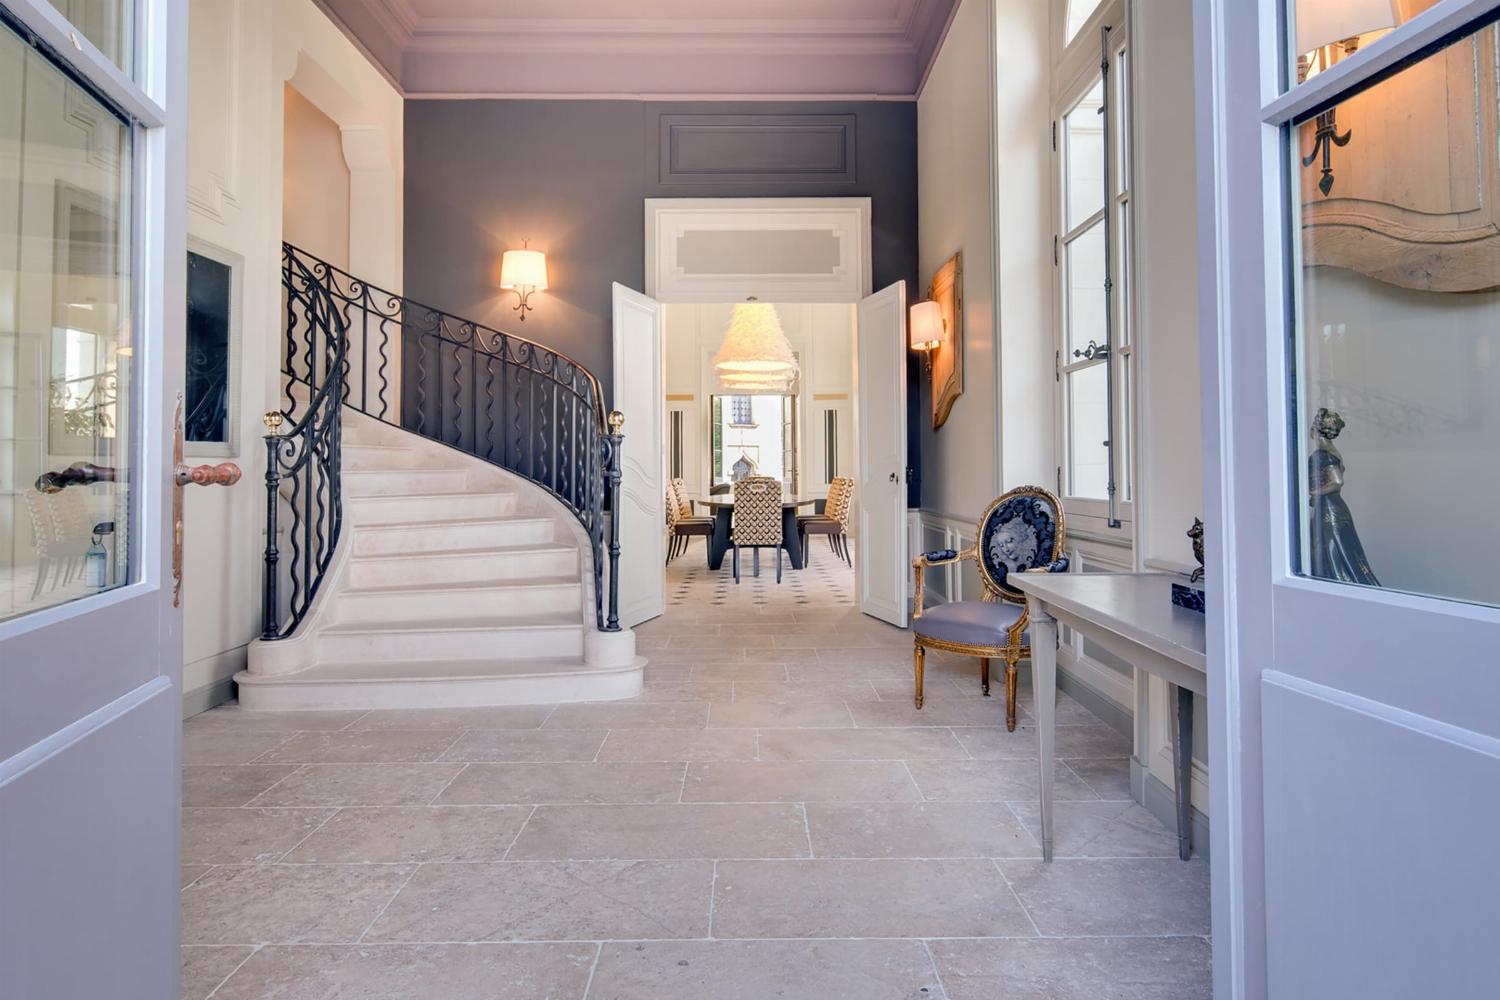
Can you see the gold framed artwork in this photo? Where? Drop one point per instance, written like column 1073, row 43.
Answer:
column 947, row 290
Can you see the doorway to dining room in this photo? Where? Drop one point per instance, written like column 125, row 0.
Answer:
column 800, row 433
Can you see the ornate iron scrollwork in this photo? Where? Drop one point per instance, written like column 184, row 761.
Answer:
column 498, row 397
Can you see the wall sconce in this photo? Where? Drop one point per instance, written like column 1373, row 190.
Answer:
column 1326, row 32
column 523, row 271
column 926, row 329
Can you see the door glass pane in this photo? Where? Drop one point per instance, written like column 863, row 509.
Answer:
column 209, row 285
column 1398, row 339
column 1083, row 138
column 109, row 24
column 66, row 343
column 1088, row 456
column 1321, row 32
column 1084, row 309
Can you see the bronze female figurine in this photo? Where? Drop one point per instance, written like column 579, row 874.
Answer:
column 1336, row 550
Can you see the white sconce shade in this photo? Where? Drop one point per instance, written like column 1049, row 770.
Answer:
column 523, row 270
column 755, row 345
column 926, row 326
column 1326, row 22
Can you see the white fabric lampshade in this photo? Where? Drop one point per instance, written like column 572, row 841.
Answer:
column 925, row 327
column 751, row 384
column 754, row 344
column 523, row 269
column 1324, row 22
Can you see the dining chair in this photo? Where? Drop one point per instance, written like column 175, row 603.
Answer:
column 833, row 522
column 757, row 520
column 683, row 525
column 1020, row 532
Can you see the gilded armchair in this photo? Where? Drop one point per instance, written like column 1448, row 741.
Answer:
column 1023, row 531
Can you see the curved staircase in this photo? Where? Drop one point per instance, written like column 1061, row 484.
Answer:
column 449, row 581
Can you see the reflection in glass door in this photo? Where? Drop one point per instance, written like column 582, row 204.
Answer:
column 1397, row 356
column 67, row 404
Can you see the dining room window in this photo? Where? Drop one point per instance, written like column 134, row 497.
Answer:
column 762, row 445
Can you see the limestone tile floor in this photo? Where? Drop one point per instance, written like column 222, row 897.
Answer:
column 771, row 819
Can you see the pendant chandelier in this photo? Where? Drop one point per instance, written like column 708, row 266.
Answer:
column 755, row 356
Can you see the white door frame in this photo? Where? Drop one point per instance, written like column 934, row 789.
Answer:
column 1242, row 314
column 848, row 283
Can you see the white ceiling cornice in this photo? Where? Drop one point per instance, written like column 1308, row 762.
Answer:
column 443, row 53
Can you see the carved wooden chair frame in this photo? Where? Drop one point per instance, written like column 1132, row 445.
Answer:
column 995, row 591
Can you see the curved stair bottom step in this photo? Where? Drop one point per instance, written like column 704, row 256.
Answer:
column 438, row 684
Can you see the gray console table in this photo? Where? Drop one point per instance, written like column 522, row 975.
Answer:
column 1132, row 616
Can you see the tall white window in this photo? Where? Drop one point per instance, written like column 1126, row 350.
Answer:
column 1091, row 131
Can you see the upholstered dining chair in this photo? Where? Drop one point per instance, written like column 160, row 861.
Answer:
column 757, row 520
column 833, row 522
column 683, row 524
column 1021, row 532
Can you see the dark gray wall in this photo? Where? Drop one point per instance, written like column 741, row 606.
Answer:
column 572, row 176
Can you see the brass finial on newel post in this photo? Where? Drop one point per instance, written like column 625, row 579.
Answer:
column 272, row 420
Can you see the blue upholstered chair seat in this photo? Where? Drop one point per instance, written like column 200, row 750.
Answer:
column 970, row 623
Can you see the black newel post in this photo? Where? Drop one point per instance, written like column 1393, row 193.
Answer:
column 270, row 627
column 616, row 421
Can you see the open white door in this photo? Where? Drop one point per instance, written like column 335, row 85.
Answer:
column 639, row 396
column 92, row 255
column 882, row 566
column 1354, row 612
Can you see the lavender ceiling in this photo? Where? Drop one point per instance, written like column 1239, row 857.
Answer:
column 654, row 48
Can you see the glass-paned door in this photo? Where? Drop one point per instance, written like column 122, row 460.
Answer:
column 1352, row 271
column 91, row 333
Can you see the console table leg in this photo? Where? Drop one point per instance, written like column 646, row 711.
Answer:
column 1182, row 761
column 1044, row 690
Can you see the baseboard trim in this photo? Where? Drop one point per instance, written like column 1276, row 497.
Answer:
column 200, row 700
column 1152, row 793
column 1107, row 710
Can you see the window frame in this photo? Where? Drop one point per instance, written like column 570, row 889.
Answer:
column 1077, row 71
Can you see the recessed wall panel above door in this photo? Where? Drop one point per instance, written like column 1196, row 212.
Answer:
column 777, row 250
column 756, row 149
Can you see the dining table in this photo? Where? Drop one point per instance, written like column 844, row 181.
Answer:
column 722, row 506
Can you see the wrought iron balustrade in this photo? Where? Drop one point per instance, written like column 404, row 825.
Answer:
column 498, row 397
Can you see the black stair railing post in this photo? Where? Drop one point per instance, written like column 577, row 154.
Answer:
column 616, row 421
column 270, row 625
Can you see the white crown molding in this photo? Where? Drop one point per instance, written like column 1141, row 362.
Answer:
column 911, row 33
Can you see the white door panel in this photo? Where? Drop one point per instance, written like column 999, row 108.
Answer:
column 1355, row 749
column 639, row 393
column 882, row 566
column 90, row 666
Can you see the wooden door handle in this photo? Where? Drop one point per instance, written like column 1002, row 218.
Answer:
column 223, row 474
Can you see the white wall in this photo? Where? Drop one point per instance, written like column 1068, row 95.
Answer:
column 955, row 202
column 314, row 181
column 1169, row 438
column 1023, row 184
column 242, row 54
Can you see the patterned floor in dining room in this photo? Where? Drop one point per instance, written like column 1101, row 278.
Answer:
column 771, row 819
